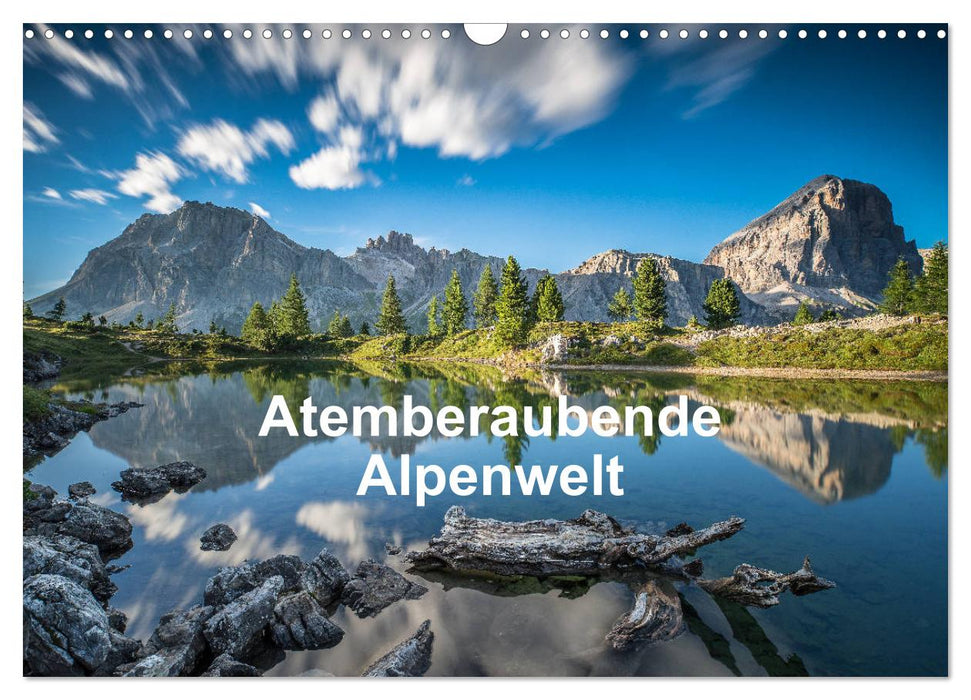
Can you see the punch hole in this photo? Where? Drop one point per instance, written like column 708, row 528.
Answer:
column 484, row 34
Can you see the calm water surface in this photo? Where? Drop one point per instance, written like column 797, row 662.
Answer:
column 852, row 473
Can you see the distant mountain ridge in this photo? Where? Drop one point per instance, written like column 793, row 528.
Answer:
column 833, row 241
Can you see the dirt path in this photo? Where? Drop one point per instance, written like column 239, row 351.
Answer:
column 776, row 372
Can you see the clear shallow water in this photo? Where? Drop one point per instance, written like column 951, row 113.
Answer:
column 852, row 473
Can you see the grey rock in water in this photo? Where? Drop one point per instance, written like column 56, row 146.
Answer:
column 411, row 658
column 375, row 587
column 226, row 666
column 833, row 241
column 54, row 431
column 218, row 538
column 71, row 558
column 82, row 489
column 300, row 623
column 325, row 578
column 149, row 485
column 106, row 529
column 177, row 645
column 238, row 628
column 231, row 582
column 39, row 366
column 66, row 631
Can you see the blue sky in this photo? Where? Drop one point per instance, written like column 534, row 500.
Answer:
column 552, row 150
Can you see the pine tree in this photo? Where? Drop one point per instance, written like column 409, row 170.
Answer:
column 650, row 300
column 346, row 330
column 390, row 319
column 898, row 295
column 549, row 301
column 930, row 289
column 257, row 329
column 213, row 328
column 721, row 306
column 102, row 321
column 456, row 308
column 167, row 322
column 139, row 320
column 365, row 328
column 830, row 314
column 28, row 312
column 291, row 319
column 87, row 318
column 57, row 313
column 485, row 298
column 334, row 327
column 621, row 307
column 512, row 307
column 434, row 328
column 803, row 315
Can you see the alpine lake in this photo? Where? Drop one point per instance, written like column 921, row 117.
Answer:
column 851, row 473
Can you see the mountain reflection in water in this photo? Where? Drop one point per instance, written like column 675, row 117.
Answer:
column 851, row 473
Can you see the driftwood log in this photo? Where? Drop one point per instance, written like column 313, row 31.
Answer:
column 597, row 545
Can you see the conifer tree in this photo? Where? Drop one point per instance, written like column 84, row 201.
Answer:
column 291, row 319
column 621, row 307
column 334, row 327
column 721, row 306
column 139, row 320
column 102, row 320
column 365, row 328
column 257, row 329
column 391, row 320
column 346, row 329
column 87, row 318
column 930, row 290
column 167, row 322
column 650, row 300
column 549, row 301
column 898, row 295
column 484, row 300
column 830, row 314
column 214, row 329
column 456, row 308
column 803, row 315
column 58, row 311
column 512, row 307
column 434, row 328
column 28, row 312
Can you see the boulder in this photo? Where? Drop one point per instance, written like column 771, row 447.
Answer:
column 71, row 558
column 226, row 666
column 145, row 486
column 238, row 628
column 300, row 623
column 412, row 657
column 375, row 587
column 109, row 531
column 177, row 645
column 231, row 582
column 81, row 490
column 66, row 631
column 325, row 578
column 556, row 348
column 218, row 538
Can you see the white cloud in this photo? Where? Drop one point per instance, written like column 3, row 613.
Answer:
column 152, row 176
column 466, row 181
column 225, row 148
column 51, row 193
column 334, row 167
column 92, row 195
column 39, row 133
column 323, row 113
column 259, row 211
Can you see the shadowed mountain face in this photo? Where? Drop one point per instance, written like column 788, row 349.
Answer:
column 833, row 241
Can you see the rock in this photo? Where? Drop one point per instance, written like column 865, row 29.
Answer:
column 226, row 666
column 300, row 623
column 109, row 531
column 117, row 619
column 655, row 617
column 556, row 348
column 325, row 578
column 51, row 433
column 66, row 631
column 71, row 558
column 176, row 646
column 611, row 341
column 144, row 486
column 411, row 658
column 80, row 490
column 231, row 582
column 218, row 538
column 238, row 628
column 392, row 549
column 375, row 587
column 833, row 241
column 41, row 366
column 680, row 529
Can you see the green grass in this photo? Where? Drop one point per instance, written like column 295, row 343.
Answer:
column 910, row 347
column 35, row 403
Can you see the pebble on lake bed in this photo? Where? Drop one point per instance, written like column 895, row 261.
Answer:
column 218, row 538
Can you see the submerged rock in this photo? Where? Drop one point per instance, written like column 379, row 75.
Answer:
column 176, row 646
column 81, row 490
column 412, row 657
column 238, row 628
column 226, row 666
column 300, row 623
column 375, row 587
column 67, row 556
column 231, row 582
column 218, row 538
column 66, row 631
column 106, row 529
column 325, row 578
column 145, row 486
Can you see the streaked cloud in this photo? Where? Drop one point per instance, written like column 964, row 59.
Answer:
column 224, row 148
column 51, row 193
column 466, row 181
column 92, row 195
column 39, row 134
column 335, row 167
column 262, row 213
column 152, row 177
